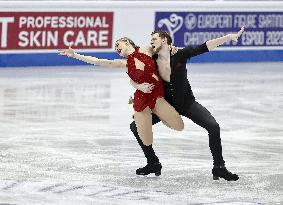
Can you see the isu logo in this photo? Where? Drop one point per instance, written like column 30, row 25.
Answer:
column 173, row 24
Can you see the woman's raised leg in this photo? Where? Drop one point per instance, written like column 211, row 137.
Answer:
column 168, row 115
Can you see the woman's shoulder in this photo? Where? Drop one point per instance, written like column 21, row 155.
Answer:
column 146, row 50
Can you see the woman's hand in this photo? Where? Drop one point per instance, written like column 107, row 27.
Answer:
column 67, row 52
column 235, row 36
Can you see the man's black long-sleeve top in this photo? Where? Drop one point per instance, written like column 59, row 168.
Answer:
column 178, row 91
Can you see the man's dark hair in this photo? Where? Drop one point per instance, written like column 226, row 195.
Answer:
column 163, row 34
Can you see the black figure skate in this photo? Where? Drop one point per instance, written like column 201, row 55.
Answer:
column 150, row 168
column 222, row 172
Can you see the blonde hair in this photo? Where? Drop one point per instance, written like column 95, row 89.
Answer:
column 126, row 39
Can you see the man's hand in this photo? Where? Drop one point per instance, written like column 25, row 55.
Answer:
column 212, row 44
column 173, row 49
column 67, row 52
column 235, row 36
column 145, row 87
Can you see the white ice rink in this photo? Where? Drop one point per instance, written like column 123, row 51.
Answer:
column 65, row 139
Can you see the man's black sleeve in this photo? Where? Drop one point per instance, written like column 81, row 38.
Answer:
column 189, row 52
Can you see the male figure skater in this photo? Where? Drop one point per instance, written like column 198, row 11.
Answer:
column 178, row 93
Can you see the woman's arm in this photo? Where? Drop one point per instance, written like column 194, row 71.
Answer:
column 121, row 63
column 211, row 44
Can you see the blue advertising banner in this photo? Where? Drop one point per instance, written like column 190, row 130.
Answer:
column 262, row 29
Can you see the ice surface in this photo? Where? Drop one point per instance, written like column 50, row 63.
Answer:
column 65, row 138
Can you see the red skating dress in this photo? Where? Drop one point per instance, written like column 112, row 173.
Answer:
column 142, row 100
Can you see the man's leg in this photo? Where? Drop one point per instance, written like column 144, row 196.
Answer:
column 152, row 159
column 202, row 117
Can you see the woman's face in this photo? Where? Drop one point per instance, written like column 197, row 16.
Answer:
column 121, row 48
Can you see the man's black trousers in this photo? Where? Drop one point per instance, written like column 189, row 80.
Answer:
column 202, row 117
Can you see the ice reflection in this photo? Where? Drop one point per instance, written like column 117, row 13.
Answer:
column 46, row 100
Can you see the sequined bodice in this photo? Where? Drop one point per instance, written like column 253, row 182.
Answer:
column 143, row 100
column 141, row 76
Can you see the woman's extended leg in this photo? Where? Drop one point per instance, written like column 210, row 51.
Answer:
column 144, row 125
column 168, row 115
column 143, row 121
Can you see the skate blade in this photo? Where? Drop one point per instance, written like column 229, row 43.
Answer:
column 151, row 175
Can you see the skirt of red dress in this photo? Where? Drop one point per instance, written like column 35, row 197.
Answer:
column 143, row 100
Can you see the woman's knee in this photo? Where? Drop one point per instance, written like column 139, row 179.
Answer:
column 180, row 125
column 177, row 123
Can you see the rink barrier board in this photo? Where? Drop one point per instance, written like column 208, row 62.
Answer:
column 53, row 59
column 180, row 18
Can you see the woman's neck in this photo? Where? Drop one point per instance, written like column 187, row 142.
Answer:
column 131, row 50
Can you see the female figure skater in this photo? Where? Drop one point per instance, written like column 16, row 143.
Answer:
column 141, row 68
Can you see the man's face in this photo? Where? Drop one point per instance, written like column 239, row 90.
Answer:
column 157, row 42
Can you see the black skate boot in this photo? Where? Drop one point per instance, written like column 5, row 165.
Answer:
column 150, row 168
column 222, row 172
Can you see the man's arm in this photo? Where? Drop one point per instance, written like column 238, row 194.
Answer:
column 189, row 52
column 144, row 87
column 212, row 44
column 134, row 84
column 121, row 63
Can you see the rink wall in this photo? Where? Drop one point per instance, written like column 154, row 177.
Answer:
column 31, row 32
